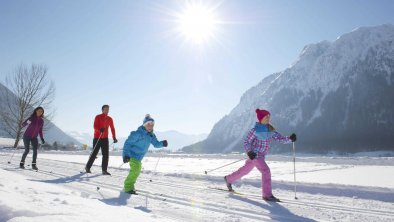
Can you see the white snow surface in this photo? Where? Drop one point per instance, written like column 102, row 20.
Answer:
column 6, row 142
column 332, row 188
column 318, row 71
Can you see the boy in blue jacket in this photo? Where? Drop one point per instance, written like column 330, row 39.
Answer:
column 135, row 148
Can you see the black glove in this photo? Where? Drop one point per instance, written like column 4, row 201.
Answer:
column 126, row 159
column 251, row 155
column 293, row 137
column 165, row 143
column 42, row 140
column 102, row 130
column 115, row 140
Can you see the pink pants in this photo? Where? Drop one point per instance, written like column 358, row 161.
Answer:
column 262, row 166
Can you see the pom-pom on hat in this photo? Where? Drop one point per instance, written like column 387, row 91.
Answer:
column 148, row 119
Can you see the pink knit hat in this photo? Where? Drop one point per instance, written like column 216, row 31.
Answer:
column 261, row 113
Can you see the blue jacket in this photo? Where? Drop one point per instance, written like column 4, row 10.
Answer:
column 138, row 142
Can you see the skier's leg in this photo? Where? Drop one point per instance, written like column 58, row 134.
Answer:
column 105, row 153
column 245, row 169
column 26, row 142
column 262, row 166
column 94, row 153
column 135, row 169
column 34, row 143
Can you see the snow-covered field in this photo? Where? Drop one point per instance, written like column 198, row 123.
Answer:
column 355, row 188
column 7, row 142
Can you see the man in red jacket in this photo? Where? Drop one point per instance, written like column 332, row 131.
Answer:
column 101, row 124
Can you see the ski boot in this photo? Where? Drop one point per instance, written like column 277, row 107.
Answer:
column 88, row 170
column 271, row 198
column 34, row 166
column 106, row 173
column 22, row 165
column 132, row 192
column 229, row 187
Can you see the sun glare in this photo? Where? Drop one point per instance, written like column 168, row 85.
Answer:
column 197, row 23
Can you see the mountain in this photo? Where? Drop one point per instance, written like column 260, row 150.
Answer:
column 52, row 134
column 84, row 138
column 337, row 96
column 176, row 140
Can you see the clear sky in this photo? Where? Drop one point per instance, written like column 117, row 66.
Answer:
column 150, row 56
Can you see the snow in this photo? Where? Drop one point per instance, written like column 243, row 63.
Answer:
column 6, row 142
column 329, row 188
column 178, row 140
column 318, row 73
column 327, row 62
column 26, row 199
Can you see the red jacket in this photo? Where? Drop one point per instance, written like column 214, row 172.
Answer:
column 103, row 121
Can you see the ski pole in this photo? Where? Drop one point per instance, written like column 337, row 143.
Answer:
column 157, row 163
column 294, row 170
column 95, row 145
column 206, row 172
column 98, row 187
column 13, row 153
column 150, row 180
column 119, row 167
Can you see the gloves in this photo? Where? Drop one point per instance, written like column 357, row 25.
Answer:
column 293, row 137
column 126, row 159
column 251, row 155
column 102, row 130
column 42, row 140
column 165, row 143
column 115, row 140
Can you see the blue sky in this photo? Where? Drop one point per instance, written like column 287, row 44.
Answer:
column 128, row 54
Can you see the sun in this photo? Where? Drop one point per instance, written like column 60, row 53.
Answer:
column 197, row 23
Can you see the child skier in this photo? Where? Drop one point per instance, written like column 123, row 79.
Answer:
column 256, row 146
column 135, row 148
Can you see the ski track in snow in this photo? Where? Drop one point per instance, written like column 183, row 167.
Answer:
column 189, row 197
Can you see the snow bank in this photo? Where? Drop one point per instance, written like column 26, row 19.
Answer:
column 22, row 199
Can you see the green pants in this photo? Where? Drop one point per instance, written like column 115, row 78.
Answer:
column 135, row 170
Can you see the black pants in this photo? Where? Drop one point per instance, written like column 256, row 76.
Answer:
column 34, row 143
column 104, row 145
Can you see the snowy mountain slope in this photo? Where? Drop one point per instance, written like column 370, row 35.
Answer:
column 337, row 96
column 179, row 191
column 84, row 138
column 177, row 140
column 53, row 133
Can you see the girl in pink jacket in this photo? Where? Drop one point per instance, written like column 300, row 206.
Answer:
column 256, row 146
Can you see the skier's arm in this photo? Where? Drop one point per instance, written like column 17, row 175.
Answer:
column 156, row 143
column 96, row 124
column 283, row 139
column 40, row 132
column 111, row 124
column 26, row 122
column 133, row 137
column 249, row 140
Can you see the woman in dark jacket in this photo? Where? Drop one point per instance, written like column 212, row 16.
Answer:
column 34, row 124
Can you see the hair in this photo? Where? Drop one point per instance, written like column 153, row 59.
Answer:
column 35, row 110
column 104, row 106
column 271, row 128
